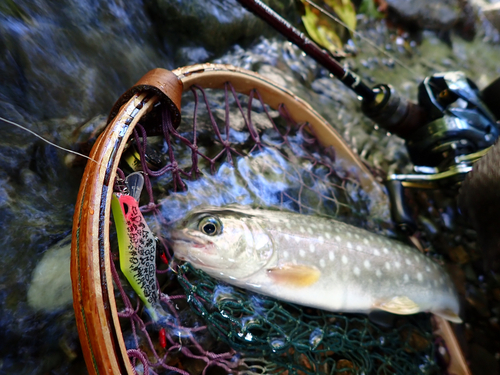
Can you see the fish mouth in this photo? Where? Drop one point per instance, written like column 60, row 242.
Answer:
column 191, row 247
column 184, row 236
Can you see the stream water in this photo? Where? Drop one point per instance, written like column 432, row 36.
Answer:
column 64, row 63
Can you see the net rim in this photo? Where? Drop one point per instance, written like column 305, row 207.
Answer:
column 93, row 295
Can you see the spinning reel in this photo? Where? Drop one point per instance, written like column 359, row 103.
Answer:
column 459, row 129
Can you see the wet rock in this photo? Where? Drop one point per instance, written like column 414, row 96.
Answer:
column 207, row 27
column 482, row 361
column 459, row 255
column 50, row 287
column 430, row 14
column 458, row 276
column 492, row 13
column 83, row 138
column 74, row 56
column 477, row 299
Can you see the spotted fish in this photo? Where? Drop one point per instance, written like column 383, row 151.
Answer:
column 313, row 261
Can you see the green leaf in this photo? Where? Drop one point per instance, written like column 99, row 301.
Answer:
column 345, row 11
column 321, row 30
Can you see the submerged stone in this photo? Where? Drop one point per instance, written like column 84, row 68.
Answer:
column 50, row 287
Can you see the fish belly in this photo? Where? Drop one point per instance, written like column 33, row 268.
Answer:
column 359, row 270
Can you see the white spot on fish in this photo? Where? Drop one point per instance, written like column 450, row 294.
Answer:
column 365, row 241
column 285, row 254
column 344, row 259
column 313, row 225
column 302, row 253
column 385, row 250
column 356, row 271
column 427, row 268
column 397, row 264
column 309, row 230
column 337, row 238
column 367, row 264
column 406, row 278
column 356, row 236
column 349, row 245
column 331, row 255
column 417, row 258
column 321, row 239
column 287, row 237
column 322, row 263
column 408, row 261
column 387, row 265
column 311, row 248
column 302, row 230
column 376, row 252
column 296, row 238
column 288, row 225
column 328, row 235
column 420, row 277
column 349, row 234
column 378, row 273
column 359, row 248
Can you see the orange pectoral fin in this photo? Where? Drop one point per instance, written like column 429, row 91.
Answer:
column 294, row 275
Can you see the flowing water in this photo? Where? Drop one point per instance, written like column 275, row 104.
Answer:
column 64, row 63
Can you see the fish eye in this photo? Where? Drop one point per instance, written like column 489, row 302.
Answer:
column 210, row 226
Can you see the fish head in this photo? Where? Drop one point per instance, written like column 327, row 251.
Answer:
column 223, row 243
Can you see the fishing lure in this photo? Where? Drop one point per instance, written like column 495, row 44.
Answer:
column 137, row 246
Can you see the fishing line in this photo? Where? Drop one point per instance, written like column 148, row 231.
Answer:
column 359, row 35
column 46, row 140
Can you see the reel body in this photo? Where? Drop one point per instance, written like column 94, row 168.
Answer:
column 458, row 128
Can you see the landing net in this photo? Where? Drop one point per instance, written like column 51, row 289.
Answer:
column 231, row 148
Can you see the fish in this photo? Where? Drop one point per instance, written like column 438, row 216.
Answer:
column 313, row 261
column 137, row 248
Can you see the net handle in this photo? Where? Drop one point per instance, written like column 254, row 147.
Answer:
column 94, row 301
column 458, row 364
column 161, row 82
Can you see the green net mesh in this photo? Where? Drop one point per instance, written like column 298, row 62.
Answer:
column 232, row 148
column 279, row 337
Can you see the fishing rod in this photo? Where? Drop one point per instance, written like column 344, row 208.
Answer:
column 450, row 128
column 380, row 103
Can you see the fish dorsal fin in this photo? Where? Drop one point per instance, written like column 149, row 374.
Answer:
column 400, row 305
column 294, row 275
column 448, row 315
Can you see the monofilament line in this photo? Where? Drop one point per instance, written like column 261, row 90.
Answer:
column 359, row 35
column 46, row 140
